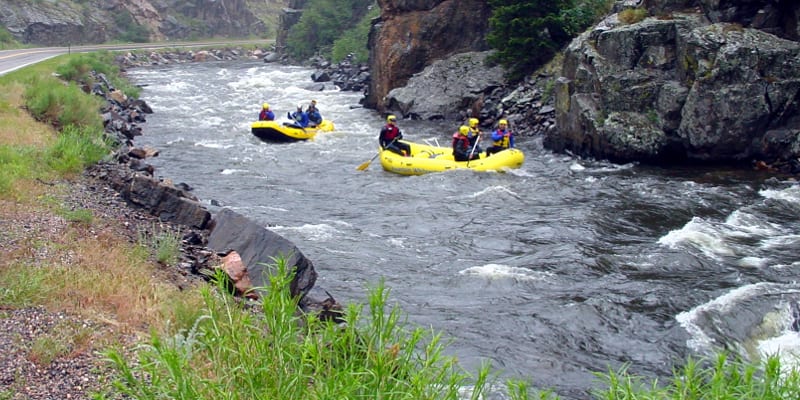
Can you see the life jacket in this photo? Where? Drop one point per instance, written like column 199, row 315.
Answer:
column 460, row 144
column 266, row 115
column 389, row 132
column 502, row 140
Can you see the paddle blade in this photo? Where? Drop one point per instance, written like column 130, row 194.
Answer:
column 364, row 165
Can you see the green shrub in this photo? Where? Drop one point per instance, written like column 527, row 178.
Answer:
column 632, row 15
column 129, row 29
column 7, row 40
column 60, row 104
column 526, row 34
column 354, row 41
column 75, row 149
column 322, row 23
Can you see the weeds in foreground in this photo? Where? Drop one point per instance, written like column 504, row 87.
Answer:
column 165, row 243
column 721, row 378
column 276, row 354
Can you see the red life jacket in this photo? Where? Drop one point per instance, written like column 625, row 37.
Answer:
column 461, row 143
column 390, row 132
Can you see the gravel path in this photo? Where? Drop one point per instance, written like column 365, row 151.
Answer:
column 49, row 354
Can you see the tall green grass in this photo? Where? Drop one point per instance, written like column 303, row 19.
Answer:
column 75, row 149
column 16, row 162
column 720, row 379
column 60, row 103
column 63, row 104
column 233, row 353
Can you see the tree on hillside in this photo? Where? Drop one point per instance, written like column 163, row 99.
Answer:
column 528, row 33
column 322, row 22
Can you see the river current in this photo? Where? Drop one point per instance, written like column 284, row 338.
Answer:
column 551, row 272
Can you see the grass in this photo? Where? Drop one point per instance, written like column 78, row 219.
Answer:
column 165, row 243
column 278, row 354
column 630, row 16
column 204, row 344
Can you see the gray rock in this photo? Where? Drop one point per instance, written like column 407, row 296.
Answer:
column 446, row 87
column 259, row 247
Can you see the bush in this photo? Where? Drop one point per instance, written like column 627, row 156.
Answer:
column 7, row 40
column 60, row 104
column 75, row 149
column 129, row 30
column 526, row 34
column 632, row 15
column 322, row 23
column 354, row 41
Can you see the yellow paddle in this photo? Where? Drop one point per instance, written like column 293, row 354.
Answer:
column 365, row 165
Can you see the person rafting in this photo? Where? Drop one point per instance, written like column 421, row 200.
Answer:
column 314, row 115
column 474, row 135
column 266, row 114
column 502, row 138
column 299, row 117
column 462, row 150
column 390, row 137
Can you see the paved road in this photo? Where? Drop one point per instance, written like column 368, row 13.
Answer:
column 11, row 60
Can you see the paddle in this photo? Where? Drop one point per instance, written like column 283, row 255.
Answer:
column 365, row 165
column 471, row 152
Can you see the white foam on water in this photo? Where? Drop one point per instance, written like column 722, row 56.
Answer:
column 492, row 190
column 233, row 171
column 752, row 262
column 397, row 242
column 499, row 271
column 312, row 232
column 701, row 235
column 744, row 224
column 214, row 144
column 698, row 339
column 790, row 194
column 576, row 167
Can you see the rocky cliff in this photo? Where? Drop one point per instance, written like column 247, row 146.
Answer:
column 60, row 23
column 412, row 34
column 706, row 80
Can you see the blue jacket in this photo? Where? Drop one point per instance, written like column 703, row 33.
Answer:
column 300, row 118
column 503, row 139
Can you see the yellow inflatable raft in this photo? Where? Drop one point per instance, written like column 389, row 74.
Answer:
column 426, row 159
column 276, row 131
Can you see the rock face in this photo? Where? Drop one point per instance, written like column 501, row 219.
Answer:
column 682, row 87
column 61, row 23
column 412, row 34
column 446, row 89
column 257, row 246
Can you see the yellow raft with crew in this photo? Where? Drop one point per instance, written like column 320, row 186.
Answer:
column 425, row 159
column 275, row 131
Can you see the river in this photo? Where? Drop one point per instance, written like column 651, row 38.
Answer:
column 551, row 272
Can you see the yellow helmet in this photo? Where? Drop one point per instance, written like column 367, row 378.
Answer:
column 503, row 122
column 265, row 106
column 463, row 130
column 391, row 118
column 473, row 122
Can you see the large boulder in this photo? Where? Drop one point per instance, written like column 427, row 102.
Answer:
column 447, row 89
column 675, row 88
column 258, row 248
column 412, row 34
